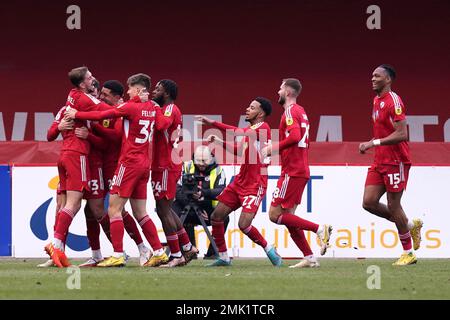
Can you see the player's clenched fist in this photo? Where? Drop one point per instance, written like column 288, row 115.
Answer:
column 213, row 138
column 364, row 146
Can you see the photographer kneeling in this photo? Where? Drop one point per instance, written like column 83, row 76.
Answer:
column 202, row 181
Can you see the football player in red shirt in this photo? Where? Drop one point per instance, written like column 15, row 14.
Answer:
column 110, row 130
column 166, row 171
column 293, row 146
column 59, row 124
column 132, row 173
column 249, row 186
column 72, row 163
column 389, row 172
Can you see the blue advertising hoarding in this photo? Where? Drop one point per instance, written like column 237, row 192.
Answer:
column 5, row 211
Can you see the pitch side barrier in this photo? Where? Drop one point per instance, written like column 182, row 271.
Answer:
column 333, row 195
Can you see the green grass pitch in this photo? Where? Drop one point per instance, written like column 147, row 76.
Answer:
column 245, row 279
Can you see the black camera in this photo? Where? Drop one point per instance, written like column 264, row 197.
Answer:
column 190, row 183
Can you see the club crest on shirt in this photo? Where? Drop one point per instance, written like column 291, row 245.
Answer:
column 167, row 113
column 398, row 110
column 382, row 104
column 289, row 121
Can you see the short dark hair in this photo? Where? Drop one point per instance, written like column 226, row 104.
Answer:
column 266, row 105
column 389, row 70
column 294, row 84
column 115, row 86
column 77, row 75
column 170, row 87
column 140, row 79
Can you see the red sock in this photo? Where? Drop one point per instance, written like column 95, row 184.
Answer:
column 65, row 217
column 117, row 231
column 150, row 232
column 172, row 241
column 131, row 228
column 183, row 237
column 299, row 238
column 104, row 222
column 255, row 236
column 405, row 239
column 54, row 229
column 291, row 220
column 93, row 233
column 218, row 233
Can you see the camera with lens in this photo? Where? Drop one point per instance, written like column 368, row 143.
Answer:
column 190, row 184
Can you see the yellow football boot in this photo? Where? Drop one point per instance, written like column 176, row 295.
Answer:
column 406, row 259
column 112, row 262
column 415, row 233
column 324, row 238
column 155, row 261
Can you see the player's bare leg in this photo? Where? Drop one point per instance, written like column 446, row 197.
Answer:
column 371, row 201
column 116, row 204
column 245, row 225
column 218, row 232
column 65, row 217
column 138, row 206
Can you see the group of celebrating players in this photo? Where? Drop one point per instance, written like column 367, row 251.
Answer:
column 108, row 140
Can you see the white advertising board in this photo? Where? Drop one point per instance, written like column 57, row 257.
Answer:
column 333, row 196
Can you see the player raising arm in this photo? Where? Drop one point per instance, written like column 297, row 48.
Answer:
column 249, row 186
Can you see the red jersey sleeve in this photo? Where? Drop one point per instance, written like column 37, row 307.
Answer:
column 163, row 120
column 292, row 118
column 293, row 129
column 112, row 134
column 397, row 109
column 122, row 110
column 53, row 132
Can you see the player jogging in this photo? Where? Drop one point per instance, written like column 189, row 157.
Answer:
column 293, row 147
column 389, row 172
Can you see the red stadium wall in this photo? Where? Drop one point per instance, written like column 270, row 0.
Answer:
column 224, row 53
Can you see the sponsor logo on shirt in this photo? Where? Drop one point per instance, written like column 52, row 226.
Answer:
column 398, row 110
